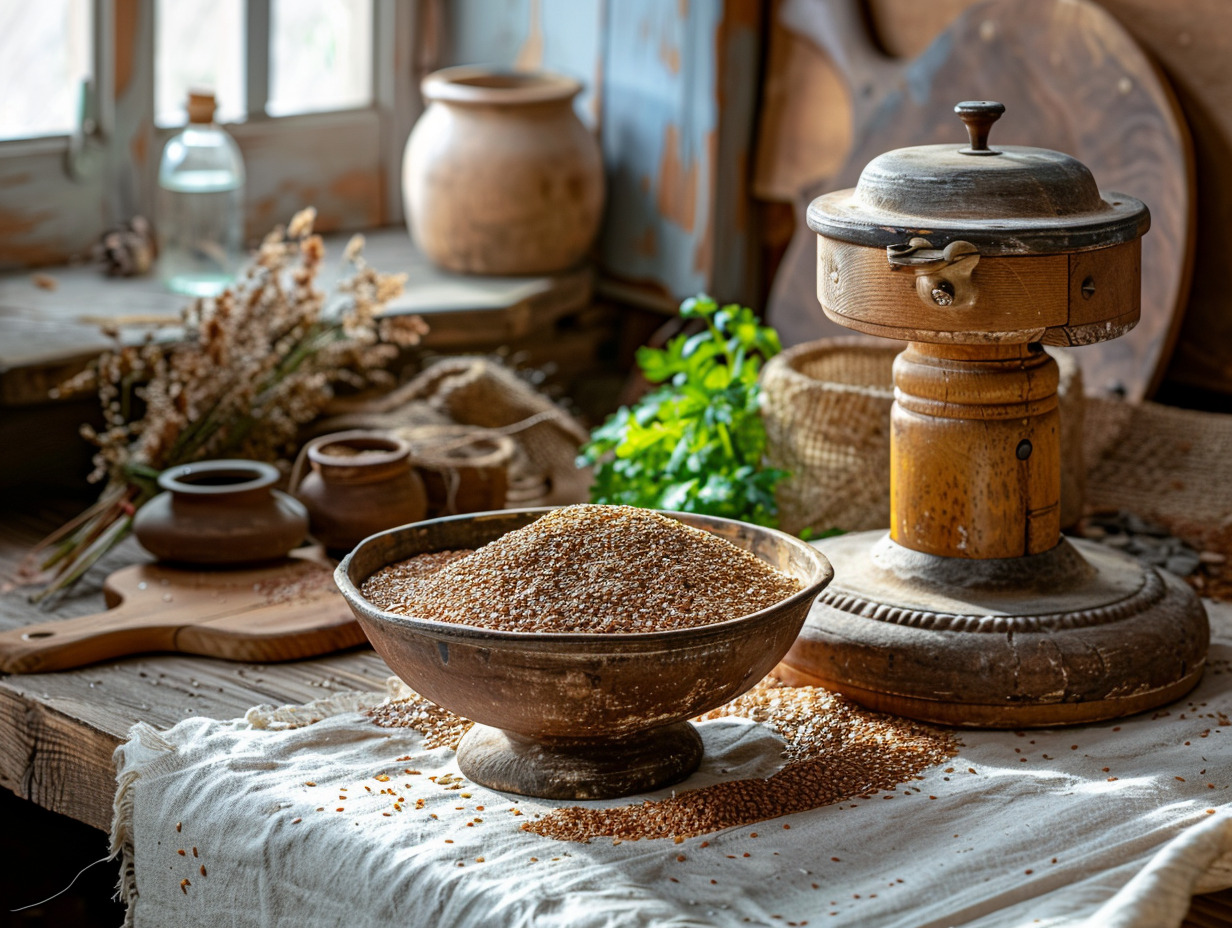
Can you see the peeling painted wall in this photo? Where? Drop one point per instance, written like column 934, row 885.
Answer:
column 660, row 110
column 559, row 35
column 672, row 90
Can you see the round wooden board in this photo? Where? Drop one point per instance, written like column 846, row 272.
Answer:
column 1072, row 79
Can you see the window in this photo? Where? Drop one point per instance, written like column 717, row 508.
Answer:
column 319, row 94
column 320, row 55
column 45, row 46
column 198, row 44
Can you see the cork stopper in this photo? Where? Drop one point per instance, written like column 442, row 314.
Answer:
column 201, row 106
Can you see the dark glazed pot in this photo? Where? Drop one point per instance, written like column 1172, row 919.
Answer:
column 360, row 483
column 579, row 716
column 220, row 512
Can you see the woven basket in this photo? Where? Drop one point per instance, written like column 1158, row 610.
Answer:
column 826, row 405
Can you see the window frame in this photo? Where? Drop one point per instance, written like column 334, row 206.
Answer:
column 58, row 194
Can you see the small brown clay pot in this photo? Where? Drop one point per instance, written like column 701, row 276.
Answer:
column 360, row 483
column 499, row 175
column 220, row 512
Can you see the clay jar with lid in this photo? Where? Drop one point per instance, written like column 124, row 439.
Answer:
column 499, row 175
column 220, row 512
column 359, row 483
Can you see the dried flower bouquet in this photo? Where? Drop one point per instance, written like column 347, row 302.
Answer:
column 254, row 364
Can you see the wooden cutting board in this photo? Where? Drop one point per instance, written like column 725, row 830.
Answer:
column 283, row 611
column 1073, row 80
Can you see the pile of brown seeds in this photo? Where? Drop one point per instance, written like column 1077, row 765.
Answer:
column 589, row 569
column 392, row 588
column 835, row 751
column 440, row 727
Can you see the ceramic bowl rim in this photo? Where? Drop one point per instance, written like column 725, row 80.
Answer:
column 392, row 449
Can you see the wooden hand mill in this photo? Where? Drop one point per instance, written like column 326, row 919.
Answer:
column 974, row 610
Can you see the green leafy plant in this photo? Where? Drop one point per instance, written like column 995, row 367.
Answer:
column 696, row 443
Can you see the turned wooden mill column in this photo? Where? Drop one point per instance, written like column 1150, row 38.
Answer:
column 973, row 609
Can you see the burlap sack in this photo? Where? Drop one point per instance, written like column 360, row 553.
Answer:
column 826, row 405
column 1165, row 464
column 480, row 392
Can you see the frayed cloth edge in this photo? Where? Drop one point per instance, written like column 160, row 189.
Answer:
column 122, row 814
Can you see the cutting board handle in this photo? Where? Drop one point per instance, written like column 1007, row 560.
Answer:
column 64, row 643
column 286, row 610
column 840, row 28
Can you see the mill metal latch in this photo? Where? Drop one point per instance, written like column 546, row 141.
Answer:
column 942, row 275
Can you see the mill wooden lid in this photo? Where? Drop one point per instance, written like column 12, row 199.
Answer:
column 1007, row 200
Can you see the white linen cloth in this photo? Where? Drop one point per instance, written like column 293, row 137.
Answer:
column 1054, row 841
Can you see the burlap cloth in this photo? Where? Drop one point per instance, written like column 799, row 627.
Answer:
column 484, row 394
column 1163, row 463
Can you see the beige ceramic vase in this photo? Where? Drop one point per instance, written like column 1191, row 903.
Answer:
column 499, row 175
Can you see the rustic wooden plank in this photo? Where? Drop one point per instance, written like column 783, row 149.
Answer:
column 805, row 127
column 58, row 730
column 46, row 218
column 678, row 110
column 53, row 760
column 327, row 160
column 1190, row 41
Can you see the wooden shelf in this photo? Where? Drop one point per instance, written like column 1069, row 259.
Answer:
column 47, row 334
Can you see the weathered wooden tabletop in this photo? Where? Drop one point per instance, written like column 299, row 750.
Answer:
column 58, row 730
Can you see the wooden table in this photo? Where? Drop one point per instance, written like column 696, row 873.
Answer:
column 58, row 730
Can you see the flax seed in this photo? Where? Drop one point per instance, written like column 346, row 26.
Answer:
column 834, row 750
column 586, row 569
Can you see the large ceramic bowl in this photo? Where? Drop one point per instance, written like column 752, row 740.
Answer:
column 574, row 715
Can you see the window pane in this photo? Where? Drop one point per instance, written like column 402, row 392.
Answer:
column 321, row 55
column 44, row 56
column 198, row 43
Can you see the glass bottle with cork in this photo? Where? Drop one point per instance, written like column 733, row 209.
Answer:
column 200, row 204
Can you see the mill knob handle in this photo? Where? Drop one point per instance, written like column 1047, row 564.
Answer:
column 978, row 116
